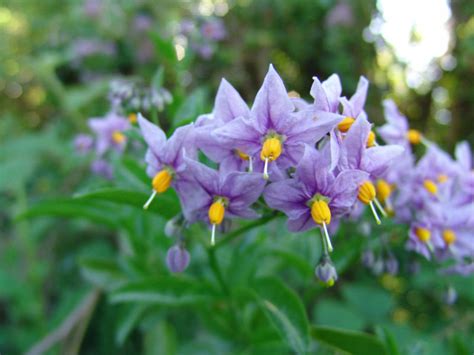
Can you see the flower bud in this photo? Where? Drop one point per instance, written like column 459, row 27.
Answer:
column 450, row 296
column 172, row 227
column 368, row 258
column 391, row 265
column 177, row 258
column 325, row 271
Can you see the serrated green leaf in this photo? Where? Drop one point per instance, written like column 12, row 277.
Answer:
column 166, row 291
column 356, row 343
column 165, row 204
column 286, row 312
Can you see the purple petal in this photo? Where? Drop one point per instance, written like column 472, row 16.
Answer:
column 229, row 104
column 206, row 177
column 194, row 200
column 287, row 196
column 358, row 99
column 377, row 160
column 463, row 155
column 344, row 189
column 181, row 141
column 393, row 116
column 301, row 223
column 333, row 88
column 355, row 143
column 153, row 135
column 313, row 173
column 272, row 105
column 242, row 188
column 241, row 134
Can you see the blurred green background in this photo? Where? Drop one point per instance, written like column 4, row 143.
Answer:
column 57, row 59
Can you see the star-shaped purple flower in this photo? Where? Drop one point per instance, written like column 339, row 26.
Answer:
column 274, row 132
column 215, row 194
column 109, row 132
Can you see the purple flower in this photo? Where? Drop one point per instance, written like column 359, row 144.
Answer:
column 109, row 132
column 315, row 195
column 326, row 94
column 354, row 107
column 165, row 158
column 397, row 130
column 142, row 23
column 464, row 268
column 420, row 238
column 214, row 30
column 340, row 15
column 218, row 194
column 391, row 265
column 274, row 132
column 102, row 168
column 228, row 106
column 177, row 259
column 464, row 164
column 83, row 143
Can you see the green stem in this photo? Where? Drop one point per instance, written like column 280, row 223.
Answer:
column 236, row 233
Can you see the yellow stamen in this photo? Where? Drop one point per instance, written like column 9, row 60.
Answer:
column 241, row 155
column 216, row 216
column 384, row 190
column 366, row 192
column 423, row 234
column 449, row 236
column 216, row 212
column 414, row 136
column 132, row 118
column 442, row 178
column 294, row 94
column 118, row 137
column 371, row 139
column 271, row 149
column 320, row 212
column 430, row 186
column 162, row 181
column 345, row 124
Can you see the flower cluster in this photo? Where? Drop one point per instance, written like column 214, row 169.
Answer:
column 317, row 162
column 434, row 195
column 203, row 33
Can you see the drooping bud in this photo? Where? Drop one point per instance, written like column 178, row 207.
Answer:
column 414, row 136
column 430, row 186
column 162, row 181
column 320, row 212
column 449, row 236
column 371, row 139
column 173, row 226
column 345, row 124
column 325, row 271
column 177, row 258
column 384, row 190
column 423, row 234
column 118, row 137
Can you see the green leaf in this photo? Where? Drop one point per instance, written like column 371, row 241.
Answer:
column 337, row 314
column 192, row 106
column 128, row 321
column 165, row 204
column 166, row 291
column 286, row 312
column 94, row 211
column 353, row 342
column 164, row 48
column 372, row 303
column 158, row 78
column 104, row 273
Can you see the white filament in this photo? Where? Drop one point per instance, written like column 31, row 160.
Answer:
column 250, row 164
column 326, row 237
column 374, row 212
column 145, row 206
column 213, row 235
column 265, row 169
column 379, row 206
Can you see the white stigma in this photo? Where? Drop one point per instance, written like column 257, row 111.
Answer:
column 326, row 239
column 147, row 204
column 250, row 164
column 374, row 212
column 265, row 170
column 379, row 206
column 213, row 235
